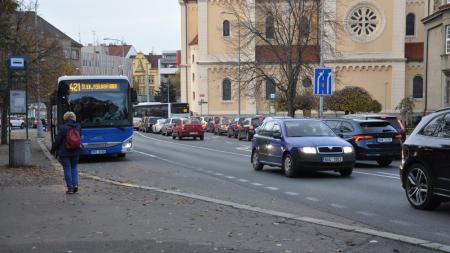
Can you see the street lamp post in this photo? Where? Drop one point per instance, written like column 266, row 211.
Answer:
column 123, row 52
column 239, row 60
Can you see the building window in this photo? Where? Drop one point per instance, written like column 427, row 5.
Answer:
column 447, row 40
column 75, row 55
column 305, row 27
column 226, row 90
column 193, row 95
column 270, row 88
column 193, row 58
column 364, row 22
column 410, row 24
column 270, row 28
column 193, row 76
column 418, row 87
column 226, row 28
column 307, row 83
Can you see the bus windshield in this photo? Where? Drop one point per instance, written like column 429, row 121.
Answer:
column 103, row 107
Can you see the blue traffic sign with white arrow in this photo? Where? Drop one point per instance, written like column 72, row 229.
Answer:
column 323, row 81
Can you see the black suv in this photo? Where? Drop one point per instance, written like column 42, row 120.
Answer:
column 425, row 167
column 374, row 140
column 234, row 126
column 395, row 121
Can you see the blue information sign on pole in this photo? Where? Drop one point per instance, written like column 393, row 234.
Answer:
column 323, row 81
column 17, row 62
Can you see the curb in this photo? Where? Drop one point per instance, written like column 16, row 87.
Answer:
column 349, row 228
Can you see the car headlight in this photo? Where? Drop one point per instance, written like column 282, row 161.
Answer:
column 348, row 150
column 127, row 145
column 309, row 150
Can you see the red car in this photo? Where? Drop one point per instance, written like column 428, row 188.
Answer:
column 188, row 128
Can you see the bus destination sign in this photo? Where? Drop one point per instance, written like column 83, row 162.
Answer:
column 79, row 87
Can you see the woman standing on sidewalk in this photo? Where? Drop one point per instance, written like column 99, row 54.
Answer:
column 67, row 146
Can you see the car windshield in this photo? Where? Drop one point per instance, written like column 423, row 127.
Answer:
column 307, row 128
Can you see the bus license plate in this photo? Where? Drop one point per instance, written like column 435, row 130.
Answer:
column 384, row 140
column 332, row 159
column 98, row 152
column 193, row 133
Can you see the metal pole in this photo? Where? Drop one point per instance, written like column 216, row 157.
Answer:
column 147, row 90
column 168, row 92
column 239, row 66
column 123, row 58
column 40, row 133
column 322, row 64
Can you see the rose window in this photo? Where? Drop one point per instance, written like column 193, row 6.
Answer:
column 364, row 23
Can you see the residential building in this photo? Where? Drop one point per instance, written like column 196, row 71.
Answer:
column 106, row 60
column 385, row 59
column 168, row 70
column 146, row 75
column 437, row 55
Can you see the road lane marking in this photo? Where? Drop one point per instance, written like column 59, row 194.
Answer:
column 272, row 188
column 291, row 193
column 192, row 146
column 321, row 222
column 312, row 199
column 338, row 206
column 230, row 177
column 218, row 174
column 242, row 180
column 257, row 184
column 229, row 142
column 389, row 174
column 377, row 175
column 365, row 213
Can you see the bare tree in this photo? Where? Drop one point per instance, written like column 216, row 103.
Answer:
column 280, row 42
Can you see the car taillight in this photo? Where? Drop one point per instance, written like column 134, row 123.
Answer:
column 222, row 126
column 398, row 137
column 250, row 127
column 238, row 126
column 361, row 137
column 182, row 127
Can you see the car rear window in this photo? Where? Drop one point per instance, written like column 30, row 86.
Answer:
column 377, row 127
column 257, row 121
column 193, row 122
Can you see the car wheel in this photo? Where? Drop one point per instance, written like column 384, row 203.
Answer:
column 121, row 155
column 288, row 166
column 215, row 132
column 179, row 137
column 346, row 172
column 255, row 161
column 202, row 138
column 384, row 162
column 22, row 126
column 419, row 188
column 173, row 137
column 195, row 138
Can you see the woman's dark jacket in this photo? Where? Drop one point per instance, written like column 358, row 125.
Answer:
column 58, row 145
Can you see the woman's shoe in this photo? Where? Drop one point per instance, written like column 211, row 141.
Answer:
column 69, row 192
column 75, row 189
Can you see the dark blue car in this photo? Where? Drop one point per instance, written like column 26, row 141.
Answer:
column 298, row 145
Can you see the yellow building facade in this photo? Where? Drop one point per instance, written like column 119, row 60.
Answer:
column 145, row 74
column 386, row 60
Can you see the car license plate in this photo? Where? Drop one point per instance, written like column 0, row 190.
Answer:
column 384, row 140
column 98, row 152
column 193, row 133
column 332, row 159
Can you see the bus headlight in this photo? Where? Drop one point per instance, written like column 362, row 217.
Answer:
column 127, row 145
column 347, row 150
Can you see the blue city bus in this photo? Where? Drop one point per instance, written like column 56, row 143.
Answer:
column 103, row 106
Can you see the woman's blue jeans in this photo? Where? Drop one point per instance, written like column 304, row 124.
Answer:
column 70, row 164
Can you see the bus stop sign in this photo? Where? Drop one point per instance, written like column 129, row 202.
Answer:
column 323, row 81
column 17, row 62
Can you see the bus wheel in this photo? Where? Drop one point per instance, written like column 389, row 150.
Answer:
column 121, row 155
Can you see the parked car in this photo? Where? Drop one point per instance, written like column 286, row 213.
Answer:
column 374, row 140
column 136, row 122
column 168, row 126
column 211, row 123
column 147, row 124
column 203, row 120
column 188, row 128
column 299, row 145
column 395, row 121
column 15, row 121
column 221, row 126
column 156, row 128
column 425, row 166
column 234, row 126
column 249, row 125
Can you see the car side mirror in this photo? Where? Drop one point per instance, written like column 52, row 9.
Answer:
column 277, row 135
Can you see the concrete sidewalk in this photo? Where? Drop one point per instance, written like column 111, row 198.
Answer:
column 37, row 216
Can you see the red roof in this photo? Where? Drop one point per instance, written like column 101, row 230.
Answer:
column 267, row 54
column 153, row 59
column 194, row 41
column 117, row 50
column 414, row 51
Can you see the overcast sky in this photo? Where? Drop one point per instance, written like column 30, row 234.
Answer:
column 146, row 24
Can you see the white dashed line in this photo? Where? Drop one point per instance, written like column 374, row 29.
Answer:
column 229, row 142
column 313, row 199
column 257, row 184
column 242, row 180
column 389, row 174
column 272, row 188
column 338, row 206
column 368, row 214
column 218, row 174
column 291, row 193
column 230, row 177
column 377, row 175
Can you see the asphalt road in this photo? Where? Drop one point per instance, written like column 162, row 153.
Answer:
column 220, row 167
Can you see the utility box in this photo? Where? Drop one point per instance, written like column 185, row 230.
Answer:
column 20, row 153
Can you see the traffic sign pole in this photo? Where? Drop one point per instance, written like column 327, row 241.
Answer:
column 322, row 63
